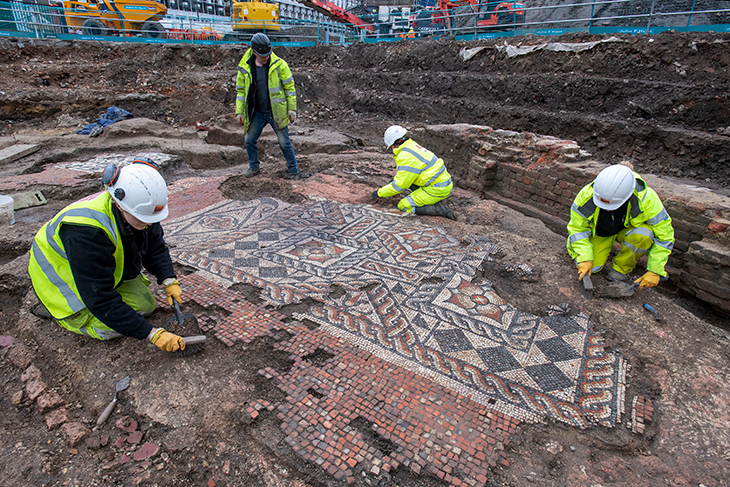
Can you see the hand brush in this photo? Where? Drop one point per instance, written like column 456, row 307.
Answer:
column 193, row 344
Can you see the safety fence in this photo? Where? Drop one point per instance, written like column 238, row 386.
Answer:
column 478, row 19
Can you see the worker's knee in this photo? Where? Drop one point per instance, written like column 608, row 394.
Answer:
column 640, row 239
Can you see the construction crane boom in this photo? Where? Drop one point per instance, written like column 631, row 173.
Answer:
column 337, row 13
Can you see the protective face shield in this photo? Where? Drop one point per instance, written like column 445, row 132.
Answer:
column 394, row 133
column 613, row 187
column 261, row 45
column 139, row 189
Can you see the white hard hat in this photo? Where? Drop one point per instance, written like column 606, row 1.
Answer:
column 393, row 133
column 140, row 190
column 613, row 187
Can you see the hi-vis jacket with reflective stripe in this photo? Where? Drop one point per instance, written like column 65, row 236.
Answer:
column 49, row 268
column 645, row 208
column 282, row 91
column 419, row 166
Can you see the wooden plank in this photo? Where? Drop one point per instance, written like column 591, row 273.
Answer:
column 15, row 152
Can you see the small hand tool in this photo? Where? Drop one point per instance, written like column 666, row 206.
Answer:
column 121, row 385
column 587, row 288
column 179, row 316
column 651, row 310
column 193, row 344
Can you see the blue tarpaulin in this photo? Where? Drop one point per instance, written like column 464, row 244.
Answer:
column 112, row 115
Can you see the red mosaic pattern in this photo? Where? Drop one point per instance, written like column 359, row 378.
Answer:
column 432, row 429
column 51, row 176
column 193, row 194
column 245, row 322
column 642, row 412
column 340, row 414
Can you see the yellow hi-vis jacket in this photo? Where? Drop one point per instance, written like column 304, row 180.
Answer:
column 282, row 90
column 49, row 268
column 645, row 208
column 419, row 166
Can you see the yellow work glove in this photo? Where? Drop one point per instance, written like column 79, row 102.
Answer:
column 169, row 342
column 650, row 279
column 585, row 267
column 172, row 290
column 292, row 116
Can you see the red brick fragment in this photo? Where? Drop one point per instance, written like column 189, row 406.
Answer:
column 20, row 355
column 56, row 418
column 35, row 388
column 31, row 373
column 135, row 438
column 74, row 432
column 126, row 424
column 718, row 226
column 148, row 450
column 48, row 401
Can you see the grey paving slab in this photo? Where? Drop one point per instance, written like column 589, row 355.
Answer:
column 17, row 151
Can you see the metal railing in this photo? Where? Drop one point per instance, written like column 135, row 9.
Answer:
column 465, row 22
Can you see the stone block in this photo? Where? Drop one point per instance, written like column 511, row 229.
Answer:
column 713, row 288
column 681, row 245
column 698, row 229
column 679, row 224
column 681, row 234
column 713, row 300
column 710, row 252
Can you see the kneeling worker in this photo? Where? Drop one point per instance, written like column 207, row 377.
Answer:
column 618, row 206
column 85, row 263
column 420, row 170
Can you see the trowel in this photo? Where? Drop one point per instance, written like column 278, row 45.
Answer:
column 121, row 385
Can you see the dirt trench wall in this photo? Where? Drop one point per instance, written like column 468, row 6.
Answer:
column 541, row 175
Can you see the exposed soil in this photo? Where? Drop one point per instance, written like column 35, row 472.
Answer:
column 661, row 102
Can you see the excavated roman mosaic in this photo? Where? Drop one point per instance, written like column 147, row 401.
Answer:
column 409, row 297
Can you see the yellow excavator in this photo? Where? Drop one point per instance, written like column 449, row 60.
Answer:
column 248, row 18
column 114, row 17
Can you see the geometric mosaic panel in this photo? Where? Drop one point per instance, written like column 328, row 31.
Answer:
column 410, row 300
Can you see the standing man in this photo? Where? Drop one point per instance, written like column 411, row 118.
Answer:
column 618, row 206
column 421, row 171
column 266, row 95
column 85, row 263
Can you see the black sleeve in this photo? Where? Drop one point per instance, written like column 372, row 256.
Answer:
column 91, row 257
column 157, row 258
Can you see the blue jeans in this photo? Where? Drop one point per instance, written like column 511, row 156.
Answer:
column 258, row 122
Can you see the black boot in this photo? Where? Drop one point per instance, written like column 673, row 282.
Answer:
column 439, row 209
column 444, row 210
column 41, row 312
column 429, row 210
